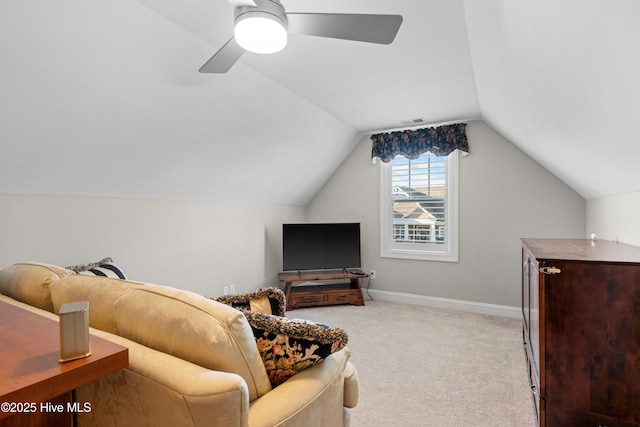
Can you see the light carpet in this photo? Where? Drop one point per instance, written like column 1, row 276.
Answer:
column 423, row 366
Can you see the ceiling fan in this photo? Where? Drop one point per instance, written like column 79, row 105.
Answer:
column 262, row 26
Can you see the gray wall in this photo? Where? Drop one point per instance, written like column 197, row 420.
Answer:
column 615, row 218
column 504, row 195
column 196, row 246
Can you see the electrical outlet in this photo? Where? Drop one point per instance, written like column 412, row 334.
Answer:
column 372, row 274
column 232, row 289
column 225, row 291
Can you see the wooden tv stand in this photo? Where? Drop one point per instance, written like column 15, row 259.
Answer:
column 322, row 294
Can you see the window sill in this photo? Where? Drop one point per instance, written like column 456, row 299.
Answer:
column 419, row 255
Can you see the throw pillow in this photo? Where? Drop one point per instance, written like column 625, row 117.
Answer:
column 288, row 346
column 268, row 301
column 105, row 267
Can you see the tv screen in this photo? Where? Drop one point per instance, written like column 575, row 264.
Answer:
column 320, row 246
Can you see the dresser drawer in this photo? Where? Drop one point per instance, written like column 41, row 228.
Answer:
column 557, row 416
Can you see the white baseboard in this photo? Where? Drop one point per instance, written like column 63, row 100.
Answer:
column 452, row 304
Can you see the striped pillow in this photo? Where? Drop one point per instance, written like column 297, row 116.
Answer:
column 105, row 268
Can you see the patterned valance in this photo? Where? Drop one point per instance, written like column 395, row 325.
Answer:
column 441, row 141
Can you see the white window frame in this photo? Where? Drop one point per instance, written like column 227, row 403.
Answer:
column 447, row 252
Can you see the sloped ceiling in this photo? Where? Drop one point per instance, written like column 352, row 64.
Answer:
column 104, row 98
column 559, row 78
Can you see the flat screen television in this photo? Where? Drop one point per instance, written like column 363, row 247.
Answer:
column 320, row 246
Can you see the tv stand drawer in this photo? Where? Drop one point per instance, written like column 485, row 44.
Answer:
column 301, row 299
column 346, row 297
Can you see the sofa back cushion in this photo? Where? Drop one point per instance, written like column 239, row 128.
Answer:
column 29, row 282
column 193, row 328
column 101, row 292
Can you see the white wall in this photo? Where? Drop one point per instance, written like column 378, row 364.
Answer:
column 196, row 246
column 615, row 218
column 504, row 195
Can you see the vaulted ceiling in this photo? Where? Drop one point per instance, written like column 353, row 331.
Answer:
column 104, row 98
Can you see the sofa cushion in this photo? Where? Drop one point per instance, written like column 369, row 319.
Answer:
column 105, row 267
column 288, row 346
column 29, row 282
column 267, row 300
column 194, row 328
column 101, row 292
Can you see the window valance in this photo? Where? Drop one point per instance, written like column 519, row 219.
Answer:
column 441, row 141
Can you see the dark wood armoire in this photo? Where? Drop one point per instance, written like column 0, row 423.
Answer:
column 581, row 327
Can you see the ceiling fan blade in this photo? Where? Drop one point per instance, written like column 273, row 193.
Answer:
column 224, row 58
column 238, row 3
column 380, row 29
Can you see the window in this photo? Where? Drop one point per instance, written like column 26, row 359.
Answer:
column 419, row 208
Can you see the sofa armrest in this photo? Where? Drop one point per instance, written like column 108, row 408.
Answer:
column 158, row 389
column 351, row 386
column 311, row 398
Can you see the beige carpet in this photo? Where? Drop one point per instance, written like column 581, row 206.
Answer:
column 422, row 366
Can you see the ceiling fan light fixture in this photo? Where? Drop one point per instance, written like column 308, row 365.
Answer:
column 261, row 32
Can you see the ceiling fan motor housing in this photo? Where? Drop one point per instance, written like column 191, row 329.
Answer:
column 269, row 9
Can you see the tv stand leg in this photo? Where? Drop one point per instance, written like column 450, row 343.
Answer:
column 357, row 284
column 287, row 295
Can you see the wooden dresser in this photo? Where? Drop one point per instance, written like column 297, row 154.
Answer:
column 581, row 326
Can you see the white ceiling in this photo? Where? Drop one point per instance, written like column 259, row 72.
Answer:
column 559, row 78
column 104, row 98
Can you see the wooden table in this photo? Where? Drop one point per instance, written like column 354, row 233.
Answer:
column 35, row 389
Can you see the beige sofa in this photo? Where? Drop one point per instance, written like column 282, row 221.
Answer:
column 192, row 361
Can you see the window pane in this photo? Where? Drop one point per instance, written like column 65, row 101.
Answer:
column 418, row 190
